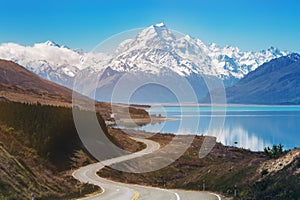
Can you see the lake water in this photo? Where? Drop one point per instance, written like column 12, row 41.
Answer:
column 250, row 127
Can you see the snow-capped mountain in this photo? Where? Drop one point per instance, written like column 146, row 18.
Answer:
column 50, row 60
column 156, row 47
column 153, row 50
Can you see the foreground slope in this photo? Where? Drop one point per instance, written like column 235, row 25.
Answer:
column 37, row 151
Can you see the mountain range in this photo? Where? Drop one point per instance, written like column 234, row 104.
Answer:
column 155, row 53
column 275, row 82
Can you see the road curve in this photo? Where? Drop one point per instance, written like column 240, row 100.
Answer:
column 120, row 191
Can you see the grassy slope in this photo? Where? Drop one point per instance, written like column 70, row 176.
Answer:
column 121, row 139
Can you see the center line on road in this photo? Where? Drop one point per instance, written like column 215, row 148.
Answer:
column 136, row 196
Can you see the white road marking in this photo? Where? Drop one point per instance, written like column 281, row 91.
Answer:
column 219, row 198
column 177, row 196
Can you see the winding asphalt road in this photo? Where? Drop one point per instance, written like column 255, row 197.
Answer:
column 121, row 191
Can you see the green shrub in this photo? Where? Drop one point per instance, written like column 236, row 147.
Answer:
column 298, row 163
column 264, row 172
column 274, row 152
column 9, row 130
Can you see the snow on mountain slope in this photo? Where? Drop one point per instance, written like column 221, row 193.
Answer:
column 153, row 48
column 156, row 47
column 50, row 52
column 231, row 61
column 49, row 60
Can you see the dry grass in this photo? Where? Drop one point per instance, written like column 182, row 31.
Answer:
column 221, row 169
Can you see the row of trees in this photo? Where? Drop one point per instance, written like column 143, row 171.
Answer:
column 48, row 129
column 275, row 151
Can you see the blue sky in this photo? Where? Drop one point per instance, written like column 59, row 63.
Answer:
column 250, row 25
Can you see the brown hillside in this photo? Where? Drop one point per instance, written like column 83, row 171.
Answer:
column 14, row 74
column 18, row 84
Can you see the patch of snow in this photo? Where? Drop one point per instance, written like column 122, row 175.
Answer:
column 160, row 24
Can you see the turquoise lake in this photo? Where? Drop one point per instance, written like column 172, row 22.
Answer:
column 250, row 127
